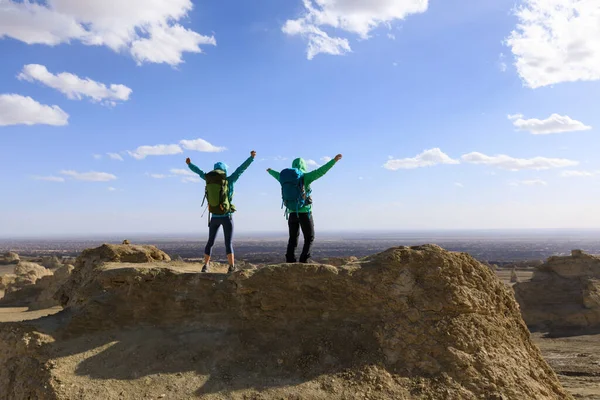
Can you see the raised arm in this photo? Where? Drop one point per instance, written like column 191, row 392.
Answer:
column 273, row 173
column 312, row 176
column 238, row 172
column 195, row 169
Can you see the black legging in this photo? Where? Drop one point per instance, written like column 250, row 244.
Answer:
column 296, row 222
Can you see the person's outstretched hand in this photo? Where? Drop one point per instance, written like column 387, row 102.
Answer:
column 253, row 154
column 188, row 161
column 338, row 158
column 268, row 169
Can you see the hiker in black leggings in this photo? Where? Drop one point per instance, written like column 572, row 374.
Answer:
column 303, row 218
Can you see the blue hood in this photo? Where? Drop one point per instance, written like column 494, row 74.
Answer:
column 221, row 166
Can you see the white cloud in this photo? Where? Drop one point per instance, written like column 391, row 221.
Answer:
column 159, row 150
column 360, row 178
column 21, row 110
column 170, row 149
column 326, row 159
column 167, row 43
column 427, row 158
column 187, row 175
column 148, row 30
column 49, row 178
column 515, row 164
column 458, row 184
column 391, row 36
column 182, row 172
column 557, row 41
column 532, row 182
column 97, row 156
column 89, row 176
column 357, row 17
column 201, row 145
column 115, row 156
column 280, row 158
column 312, row 163
column 553, row 124
column 74, row 87
column 575, row 174
column 194, row 179
column 158, row 176
column 111, row 189
column 502, row 62
column 318, row 41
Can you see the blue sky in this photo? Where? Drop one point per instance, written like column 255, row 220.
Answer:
column 415, row 95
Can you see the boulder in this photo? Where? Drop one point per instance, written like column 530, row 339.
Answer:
column 408, row 323
column 514, row 278
column 563, row 296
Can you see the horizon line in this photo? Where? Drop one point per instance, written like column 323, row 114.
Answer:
column 242, row 234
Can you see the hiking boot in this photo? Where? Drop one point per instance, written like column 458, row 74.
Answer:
column 205, row 268
column 231, row 269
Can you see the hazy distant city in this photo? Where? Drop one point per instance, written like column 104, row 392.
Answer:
column 493, row 246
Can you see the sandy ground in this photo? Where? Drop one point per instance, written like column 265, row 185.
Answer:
column 7, row 269
column 576, row 360
column 16, row 314
column 504, row 275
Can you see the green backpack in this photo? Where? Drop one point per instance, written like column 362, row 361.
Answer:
column 217, row 193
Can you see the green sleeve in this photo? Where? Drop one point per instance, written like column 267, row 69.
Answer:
column 312, row 176
column 274, row 174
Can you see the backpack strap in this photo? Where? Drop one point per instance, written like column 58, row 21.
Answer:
column 205, row 197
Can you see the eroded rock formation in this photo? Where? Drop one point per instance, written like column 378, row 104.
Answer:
column 563, row 295
column 408, row 323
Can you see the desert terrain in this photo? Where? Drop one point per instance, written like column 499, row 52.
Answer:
column 130, row 363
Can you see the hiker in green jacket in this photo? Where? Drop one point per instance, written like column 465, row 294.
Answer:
column 296, row 190
column 219, row 194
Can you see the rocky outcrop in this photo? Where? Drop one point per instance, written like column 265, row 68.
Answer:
column 563, row 294
column 49, row 286
column 24, row 373
column 9, row 258
column 419, row 323
column 27, row 274
column 7, row 280
column 86, row 265
column 34, row 286
column 339, row 261
column 51, row 262
column 514, row 278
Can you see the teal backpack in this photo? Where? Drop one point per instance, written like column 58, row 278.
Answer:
column 293, row 192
